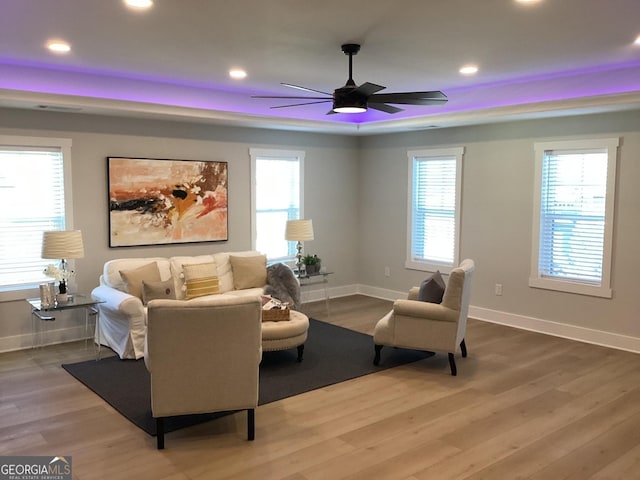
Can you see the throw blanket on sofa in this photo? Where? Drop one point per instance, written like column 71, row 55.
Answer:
column 283, row 285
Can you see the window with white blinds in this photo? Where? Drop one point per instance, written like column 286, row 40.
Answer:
column 573, row 222
column 32, row 195
column 277, row 197
column 434, row 209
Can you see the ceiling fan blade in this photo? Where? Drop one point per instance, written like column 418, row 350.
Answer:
column 300, row 104
column 291, row 98
column 383, row 107
column 411, row 98
column 290, row 85
column 368, row 89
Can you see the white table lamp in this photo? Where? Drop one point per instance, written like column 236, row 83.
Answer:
column 299, row 231
column 63, row 245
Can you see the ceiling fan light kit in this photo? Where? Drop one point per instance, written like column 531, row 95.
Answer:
column 348, row 109
column 352, row 98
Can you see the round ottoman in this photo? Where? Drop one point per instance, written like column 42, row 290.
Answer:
column 286, row 334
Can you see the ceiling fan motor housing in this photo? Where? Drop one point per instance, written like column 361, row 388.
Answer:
column 348, row 96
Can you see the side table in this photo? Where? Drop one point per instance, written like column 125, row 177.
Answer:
column 47, row 314
column 320, row 278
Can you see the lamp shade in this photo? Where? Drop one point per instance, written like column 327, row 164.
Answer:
column 299, row 230
column 62, row 244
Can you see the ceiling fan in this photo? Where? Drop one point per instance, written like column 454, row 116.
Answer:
column 357, row 99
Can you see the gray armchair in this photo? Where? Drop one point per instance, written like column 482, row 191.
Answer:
column 430, row 326
column 203, row 357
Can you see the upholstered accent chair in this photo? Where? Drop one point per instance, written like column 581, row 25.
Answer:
column 430, row 326
column 203, row 357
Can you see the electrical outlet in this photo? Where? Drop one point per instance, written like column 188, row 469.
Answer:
column 498, row 289
column 387, row 272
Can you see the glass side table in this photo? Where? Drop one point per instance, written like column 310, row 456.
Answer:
column 319, row 278
column 47, row 314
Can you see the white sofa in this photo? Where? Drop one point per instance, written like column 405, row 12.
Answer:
column 122, row 324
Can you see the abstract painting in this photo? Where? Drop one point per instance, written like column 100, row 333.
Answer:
column 155, row 202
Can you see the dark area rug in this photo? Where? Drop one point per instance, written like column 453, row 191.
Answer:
column 332, row 354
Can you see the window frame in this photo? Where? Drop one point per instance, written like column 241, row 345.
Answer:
column 536, row 279
column 19, row 291
column 426, row 264
column 275, row 154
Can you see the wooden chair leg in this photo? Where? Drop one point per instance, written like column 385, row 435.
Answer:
column 376, row 359
column 463, row 347
column 160, row 432
column 251, row 424
column 452, row 364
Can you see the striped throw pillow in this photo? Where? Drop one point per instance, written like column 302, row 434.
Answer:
column 200, row 279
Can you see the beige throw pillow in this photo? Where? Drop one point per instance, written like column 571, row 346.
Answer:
column 249, row 272
column 200, row 279
column 133, row 278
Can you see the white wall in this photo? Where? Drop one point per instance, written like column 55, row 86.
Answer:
column 331, row 168
column 497, row 206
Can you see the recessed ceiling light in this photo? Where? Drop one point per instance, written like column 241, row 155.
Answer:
column 528, row 1
column 58, row 46
column 469, row 70
column 637, row 42
column 141, row 4
column 237, row 73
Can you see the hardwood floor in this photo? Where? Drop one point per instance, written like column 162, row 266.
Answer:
column 523, row 405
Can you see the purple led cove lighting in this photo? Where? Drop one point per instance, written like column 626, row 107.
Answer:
column 30, row 77
column 54, row 67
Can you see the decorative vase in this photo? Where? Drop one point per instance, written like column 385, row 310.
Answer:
column 46, row 295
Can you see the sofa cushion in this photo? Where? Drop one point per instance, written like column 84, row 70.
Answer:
column 133, row 278
column 249, row 272
column 200, row 279
column 432, row 289
column 247, row 292
column 158, row 290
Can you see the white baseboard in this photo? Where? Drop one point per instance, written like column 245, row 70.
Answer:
column 50, row 336
column 383, row 293
column 319, row 294
column 572, row 332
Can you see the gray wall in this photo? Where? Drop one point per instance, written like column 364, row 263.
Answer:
column 331, row 172
column 497, row 205
column 356, row 194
